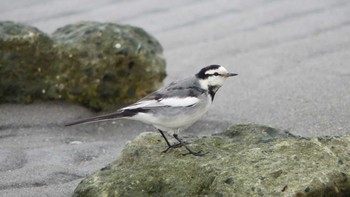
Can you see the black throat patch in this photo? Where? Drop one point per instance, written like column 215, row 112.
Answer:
column 212, row 90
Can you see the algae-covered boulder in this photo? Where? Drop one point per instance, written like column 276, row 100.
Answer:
column 246, row 160
column 105, row 65
column 99, row 65
column 25, row 59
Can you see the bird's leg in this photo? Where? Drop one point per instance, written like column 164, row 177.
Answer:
column 199, row 153
column 177, row 145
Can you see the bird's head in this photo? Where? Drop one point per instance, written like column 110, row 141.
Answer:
column 213, row 76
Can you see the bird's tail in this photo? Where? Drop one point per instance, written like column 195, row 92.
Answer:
column 122, row 113
column 100, row 118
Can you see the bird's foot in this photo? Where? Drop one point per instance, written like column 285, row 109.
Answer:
column 190, row 152
column 180, row 144
column 176, row 145
column 183, row 144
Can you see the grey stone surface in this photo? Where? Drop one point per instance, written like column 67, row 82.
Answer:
column 245, row 160
column 291, row 57
column 41, row 157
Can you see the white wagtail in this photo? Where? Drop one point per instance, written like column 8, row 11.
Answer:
column 174, row 107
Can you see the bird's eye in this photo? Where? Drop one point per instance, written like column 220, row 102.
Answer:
column 216, row 74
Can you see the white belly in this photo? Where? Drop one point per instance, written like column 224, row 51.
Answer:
column 174, row 119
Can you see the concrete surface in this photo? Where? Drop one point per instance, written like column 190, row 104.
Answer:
column 292, row 58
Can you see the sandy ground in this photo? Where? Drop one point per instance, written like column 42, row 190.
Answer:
column 292, row 58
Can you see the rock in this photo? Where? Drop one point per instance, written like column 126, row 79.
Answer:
column 104, row 65
column 99, row 65
column 245, row 160
column 25, row 59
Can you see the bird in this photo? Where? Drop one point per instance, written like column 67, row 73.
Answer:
column 174, row 107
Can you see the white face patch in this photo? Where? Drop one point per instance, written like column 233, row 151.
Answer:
column 214, row 80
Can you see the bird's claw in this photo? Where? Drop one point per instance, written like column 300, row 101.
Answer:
column 190, row 152
column 176, row 145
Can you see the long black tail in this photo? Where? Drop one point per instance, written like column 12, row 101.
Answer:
column 115, row 115
column 100, row 118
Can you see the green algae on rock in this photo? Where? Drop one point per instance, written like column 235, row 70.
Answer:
column 240, row 162
column 104, row 65
column 26, row 56
column 99, row 65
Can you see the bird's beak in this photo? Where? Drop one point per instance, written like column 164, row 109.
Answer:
column 231, row 74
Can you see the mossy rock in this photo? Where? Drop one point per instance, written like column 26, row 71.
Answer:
column 98, row 65
column 246, row 160
column 104, row 65
column 26, row 55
